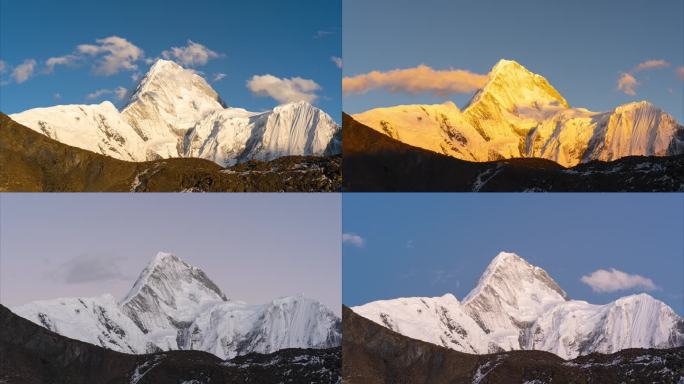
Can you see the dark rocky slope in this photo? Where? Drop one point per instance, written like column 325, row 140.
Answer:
column 31, row 162
column 30, row 354
column 374, row 354
column 376, row 162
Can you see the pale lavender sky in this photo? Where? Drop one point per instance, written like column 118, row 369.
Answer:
column 255, row 247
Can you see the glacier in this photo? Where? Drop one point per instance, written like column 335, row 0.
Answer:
column 518, row 114
column 174, row 112
column 518, row 306
column 175, row 306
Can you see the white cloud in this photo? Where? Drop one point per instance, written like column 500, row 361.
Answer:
column 136, row 76
column 23, row 71
column 194, row 54
column 3, row 66
column 353, row 239
column 651, row 64
column 118, row 92
column 337, row 61
column 284, row 90
column 680, row 73
column 218, row 77
column 410, row 244
column 117, row 54
column 627, row 84
column 614, row 280
column 420, row 79
column 57, row 96
column 61, row 60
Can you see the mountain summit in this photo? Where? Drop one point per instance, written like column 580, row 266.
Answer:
column 519, row 114
column 174, row 112
column 517, row 305
column 174, row 305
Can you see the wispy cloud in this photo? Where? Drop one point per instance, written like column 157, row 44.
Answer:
column 337, row 61
column 118, row 92
column 57, row 96
column 52, row 62
column 627, row 82
column 3, row 66
column 322, row 33
column 23, row 71
column 680, row 73
column 410, row 244
column 651, row 64
column 614, row 280
column 218, row 77
column 420, row 79
column 115, row 54
column 192, row 55
column 353, row 239
column 89, row 268
column 440, row 277
column 284, row 90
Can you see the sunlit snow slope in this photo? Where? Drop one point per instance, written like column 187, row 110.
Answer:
column 174, row 112
column 516, row 305
column 174, row 305
column 519, row 114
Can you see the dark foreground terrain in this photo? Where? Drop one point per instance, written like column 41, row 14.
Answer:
column 374, row 354
column 30, row 354
column 376, row 162
column 31, row 162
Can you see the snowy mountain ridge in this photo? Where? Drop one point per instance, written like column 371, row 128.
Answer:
column 174, row 112
column 517, row 306
column 174, row 305
column 519, row 114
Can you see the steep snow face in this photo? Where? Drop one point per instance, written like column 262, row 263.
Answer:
column 519, row 114
column 174, row 112
column 578, row 328
column 234, row 328
column 168, row 293
column 438, row 320
column 96, row 320
column 510, row 295
column 440, row 128
column 174, row 305
column 98, row 128
column 516, row 305
column 168, row 102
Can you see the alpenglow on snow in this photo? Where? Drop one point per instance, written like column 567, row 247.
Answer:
column 175, row 306
column 518, row 306
column 519, row 114
column 174, row 112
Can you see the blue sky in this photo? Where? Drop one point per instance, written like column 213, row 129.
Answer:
column 582, row 47
column 284, row 39
column 256, row 247
column 431, row 244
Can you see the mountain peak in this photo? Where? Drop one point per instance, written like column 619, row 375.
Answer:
column 511, row 87
column 167, row 275
column 509, row 268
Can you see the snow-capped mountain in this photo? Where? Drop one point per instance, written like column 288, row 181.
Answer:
column 516, row 305
column 174, row 305
column 519, row 114
column 174, row 112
